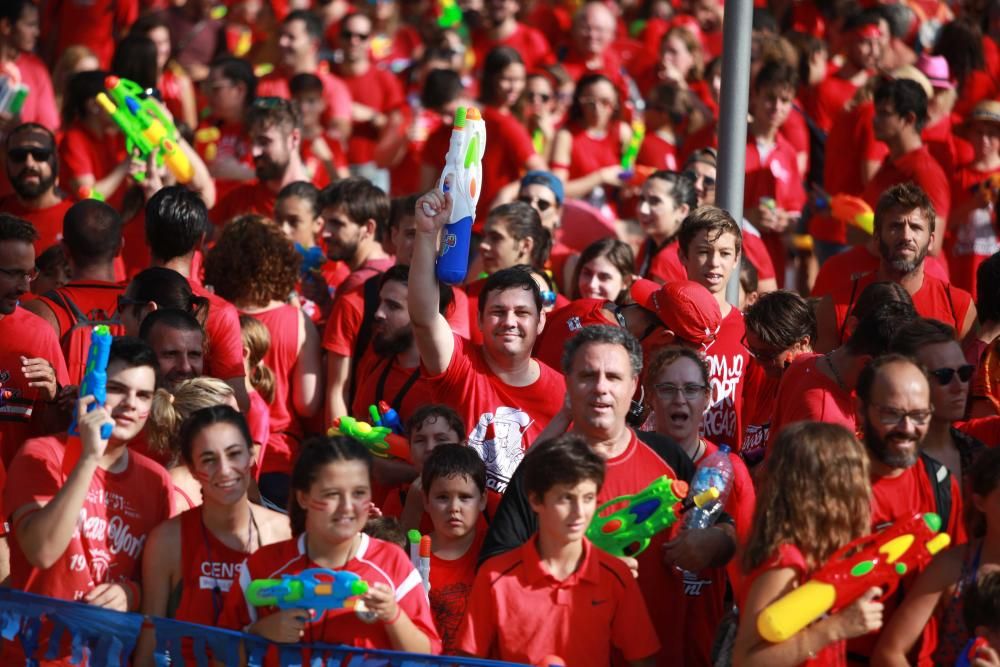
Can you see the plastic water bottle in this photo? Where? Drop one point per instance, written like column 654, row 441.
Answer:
column 714, row 470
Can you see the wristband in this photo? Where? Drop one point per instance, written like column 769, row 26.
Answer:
column 395, row 618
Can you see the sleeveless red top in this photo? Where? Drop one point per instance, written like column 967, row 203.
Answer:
column 208, row 568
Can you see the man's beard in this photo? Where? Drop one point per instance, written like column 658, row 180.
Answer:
column 903, row 266
column 27, row 190
column 341, row 252
column 387, row 345
column 880, row 449
column 269, row 170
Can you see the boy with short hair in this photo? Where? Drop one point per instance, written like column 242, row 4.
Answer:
column 710, row 245
column 454, row 483
column 558, row 596
column 322, row 155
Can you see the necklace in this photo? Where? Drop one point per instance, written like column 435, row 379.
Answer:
column 833, row 369
column 217, row 598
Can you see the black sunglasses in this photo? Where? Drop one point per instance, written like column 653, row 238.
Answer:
column 37, row 154
column 944, row 376
column 542, row 204
column 348, row 35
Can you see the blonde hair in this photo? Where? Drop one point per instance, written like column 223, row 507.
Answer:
column 66, row 67
column 693, row 45
column 169, row 410
column 257, row 341
column 814, row 493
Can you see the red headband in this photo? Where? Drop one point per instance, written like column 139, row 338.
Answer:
column 868, row 31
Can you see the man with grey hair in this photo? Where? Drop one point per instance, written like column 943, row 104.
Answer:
column 602, row 364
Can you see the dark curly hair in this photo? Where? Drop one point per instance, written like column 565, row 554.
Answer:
column 253, row 262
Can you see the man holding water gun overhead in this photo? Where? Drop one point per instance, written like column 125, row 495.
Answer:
column 79, row 525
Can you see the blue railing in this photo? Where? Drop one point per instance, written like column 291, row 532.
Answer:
column 108, row 637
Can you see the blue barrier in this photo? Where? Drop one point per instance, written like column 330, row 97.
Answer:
column 108, row 637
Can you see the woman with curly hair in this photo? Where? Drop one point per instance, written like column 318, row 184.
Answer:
column 254, row 266
column 813, row 498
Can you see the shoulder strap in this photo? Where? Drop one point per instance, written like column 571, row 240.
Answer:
column 850, row 304
column 370, row 291
column 940, row 480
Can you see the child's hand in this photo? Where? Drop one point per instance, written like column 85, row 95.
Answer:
column 632, row 564
column 985, row 656
column 373, row 510
column 433, row 210
column 381, row 601
column 285, row 627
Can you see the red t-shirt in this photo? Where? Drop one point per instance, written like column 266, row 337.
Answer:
column 336, row 92
column 759, row 394
column 856, row 262
column 503, row 420
column 375, row 562
column 519, row 612
column 222, row 331
column 451, row 583
column 217, row 140
column 789, row 556
column 757, row 253
column 825, row 100
column 24, row 334
column 82, row 153
column 119, row 512
column 244, row 199
column 727, row 359
column 807, row 394
column 526, row 40
column 381, row 379
column 376, row 88
column 664, row 264
column 918, row 166
column 658, row 153
column 48, row 222
column 40, row 105
column 935, row 299
column 562, row 324
column 969, row 241
column 92, row 23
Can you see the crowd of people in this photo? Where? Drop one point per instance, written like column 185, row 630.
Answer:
column 265, row 293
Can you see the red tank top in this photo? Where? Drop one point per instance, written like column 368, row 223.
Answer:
column 208, row 568
column 282, row 444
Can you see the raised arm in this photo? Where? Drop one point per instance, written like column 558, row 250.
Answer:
column 434, row 337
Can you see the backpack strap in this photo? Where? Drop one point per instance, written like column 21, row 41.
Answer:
column 850, row 304
column 940, row 479
column 370, row 291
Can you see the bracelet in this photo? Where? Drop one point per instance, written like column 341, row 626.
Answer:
column 395, row 618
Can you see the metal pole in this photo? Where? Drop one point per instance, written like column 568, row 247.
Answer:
column 734, row 98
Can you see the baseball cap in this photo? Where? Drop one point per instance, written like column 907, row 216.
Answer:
column 549, row 180
column 685, row 307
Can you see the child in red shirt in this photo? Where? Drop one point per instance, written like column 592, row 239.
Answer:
column 331, row 497
column 454, row 483
column 813, row 498
column 557, row 596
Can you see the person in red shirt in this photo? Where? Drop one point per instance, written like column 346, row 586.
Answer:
column 783, row 554
column 85, row 507
column 665, row 199
column 905, row 230
column 604, row 270
column 299, row 42
column 31, row 363
column 176, row 225
column 453, row 480
column 18, row 37
column 900, row 114
column 275, row 129
column 510, row 612
column 332, row 497
column 201, row 551
column 503, row 29
column 709, row 246
column 376, row 110
column 781, row 327
column 544, row 191
column 92, row 237
column 773, row 195
column 322, row 155
column 498, row 389
column 355, row 214
column 255, row 267
column 894, row 408
column 589, row 49
column 32, row 169
column 971, row 236
column 97, row 25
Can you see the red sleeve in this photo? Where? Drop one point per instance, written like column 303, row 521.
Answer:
column 38, row 467
column 126, row 12
column 345, row 320
column 757, row 253
column 477, row 635
column 796, row 131
column 225, row 342
column 74, row 158
column 632, row 631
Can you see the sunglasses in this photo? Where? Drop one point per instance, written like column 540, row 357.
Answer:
column 349, row 35
column 37, row 154
column 944, row 376
column 542, row 204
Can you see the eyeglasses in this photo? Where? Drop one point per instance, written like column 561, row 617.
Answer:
column 668, row 391
column 542, row 204
column 548, row 298
column 19, row 155
column 888, row 416
column 944, row 376
column 124, row 301
column 20, row 274
column 350, row 34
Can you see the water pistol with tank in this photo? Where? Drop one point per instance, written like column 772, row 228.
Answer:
column 420, row 555
column 384, row 415
column 95, row 376
column 627, row 531
column 462, row 177
column 318, row 588
column 379, row 440
column 879, row 560
column 631, row 152
column 145, row 125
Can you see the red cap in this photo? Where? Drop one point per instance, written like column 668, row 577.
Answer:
column 685, row 307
